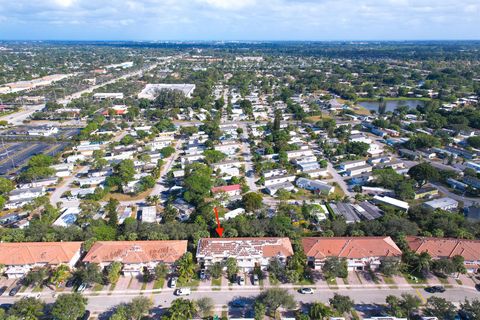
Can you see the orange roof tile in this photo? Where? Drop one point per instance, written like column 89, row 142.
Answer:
column 445, row 247
column 245, row 247
column 26, row 253
column 167, row 251
column 350, row 247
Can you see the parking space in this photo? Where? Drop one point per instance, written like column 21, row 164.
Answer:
column 135, row 283
column 354, row 278
column 122, row 283
column 366, row 278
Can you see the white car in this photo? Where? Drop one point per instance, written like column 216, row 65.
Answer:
column 182, row 292
column 307, row 291
column 173, row 282
column 82, row 287
column 241, row 280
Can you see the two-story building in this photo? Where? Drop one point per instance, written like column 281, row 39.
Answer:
column 21, row 257
column 361, row 253
column 248, row 252
column 136, row 256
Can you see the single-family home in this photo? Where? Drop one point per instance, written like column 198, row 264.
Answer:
column 315, row 185
column 232, row 190
column 444, row 203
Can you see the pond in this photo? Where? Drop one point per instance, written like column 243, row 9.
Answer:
column 391, row 105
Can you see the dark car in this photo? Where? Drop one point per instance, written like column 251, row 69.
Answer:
column 477, row 286
column 85, row 316
column 14, row 291
column 239, row 303
column 3, row 289
column 435, row 289
column 6, row 306
column 70, row 283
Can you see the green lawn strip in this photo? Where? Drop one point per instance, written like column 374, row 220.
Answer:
column 345, row 281
column 412, row 281
column 273, row 280
column 390, row 282
column 144, row 286
column 158, row 284
column 442, row 280
column 98, row 287
column 130, row 282
column 305, row 282
column 37, row 289
column 459, row 282
column 332, row 283
column 192, row 284
column 216, row 282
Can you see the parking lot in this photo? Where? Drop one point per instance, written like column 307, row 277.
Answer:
column 15, row 155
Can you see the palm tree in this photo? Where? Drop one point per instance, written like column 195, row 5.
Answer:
column 186, row 267
column 422, row 263
column 60, row 275
column 182, row 309
column 319, row 311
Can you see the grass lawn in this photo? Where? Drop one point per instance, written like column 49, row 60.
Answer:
column 442, row 280
column 193, row 284
column 332, row 283
column 144, row 286
column 130, row 282
column 390, row 282
column 97, row 287
column 37, row 289
column 216, row 282
column 413, row 281
column 112, row 287
column 158, row 284
column 273, row 281
column 459, row 281
column 345, row 281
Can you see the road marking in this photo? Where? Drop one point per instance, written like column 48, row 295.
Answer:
column 420, row 295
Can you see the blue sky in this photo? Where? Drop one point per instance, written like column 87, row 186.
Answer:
column 239, row 19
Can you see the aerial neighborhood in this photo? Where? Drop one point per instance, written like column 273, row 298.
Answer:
column 279, row 183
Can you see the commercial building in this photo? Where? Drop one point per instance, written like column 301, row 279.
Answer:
column 151, row 90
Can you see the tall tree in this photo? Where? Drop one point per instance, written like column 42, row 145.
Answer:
column 69, row 306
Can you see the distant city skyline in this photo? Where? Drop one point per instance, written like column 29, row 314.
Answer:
column 240, row 20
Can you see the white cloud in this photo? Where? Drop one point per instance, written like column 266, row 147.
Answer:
column 229, row 4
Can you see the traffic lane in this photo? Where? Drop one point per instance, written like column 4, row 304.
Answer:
column 364, row 298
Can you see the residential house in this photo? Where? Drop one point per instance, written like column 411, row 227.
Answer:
column 439, row 248
column 361, row 253
column 248, row 252
column 273, row 180
column 425, row 192
column 136, row 256
column 232, row 190
column 391, row 202
column 299, row 153
column 352, row 164
column 444, row 203
column 21, row 257
column 355, row 171
column 274, row 188
column 315, row 185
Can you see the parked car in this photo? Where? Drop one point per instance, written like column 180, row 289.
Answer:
column 3, row 289
column 173, row 282
column 241, row 280
column 255, row 279
column 239, row 303
column 6, row 306
column 434, row 289
column 82, row 287
column 203, row 274
column 70, row 282
column 477, row 286
column 182, row 292
column 85, row 316
column 306, row 291
column 14, row 291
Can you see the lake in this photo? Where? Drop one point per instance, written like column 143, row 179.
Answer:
column 391, row 104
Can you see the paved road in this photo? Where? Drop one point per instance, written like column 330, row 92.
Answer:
column 25, row 112
column 361, row 296
column 339, row 180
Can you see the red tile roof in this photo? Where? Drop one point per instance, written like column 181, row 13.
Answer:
column 245, row 247
column 445, row 247
column 27, row 253
column 167, row 251
column 350, row 247
column 233, row 187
